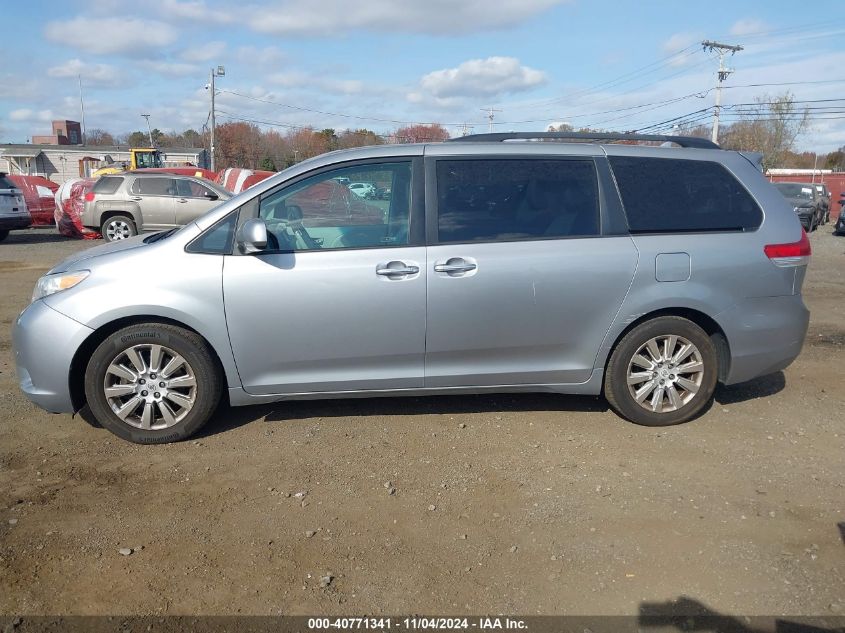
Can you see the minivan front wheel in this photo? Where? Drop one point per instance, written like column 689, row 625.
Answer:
column 662, row 372
column 118, row 227
column 152, row 383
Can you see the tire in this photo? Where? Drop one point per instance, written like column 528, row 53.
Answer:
column 118, row 227
column 4, row 234
column 693, row 389
column 191, row 389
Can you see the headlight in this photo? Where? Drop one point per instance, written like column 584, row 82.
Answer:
column 51, row 284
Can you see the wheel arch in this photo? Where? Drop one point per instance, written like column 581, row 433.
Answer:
column 76, row 373
column 702, row 320
column 110, row 213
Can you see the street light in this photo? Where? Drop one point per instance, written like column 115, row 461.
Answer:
column 220, row 71
column 149, row 131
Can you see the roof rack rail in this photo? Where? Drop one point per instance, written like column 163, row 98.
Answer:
column 684, row 141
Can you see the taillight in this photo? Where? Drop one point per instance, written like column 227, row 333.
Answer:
column 89, row 197
column 792, row 254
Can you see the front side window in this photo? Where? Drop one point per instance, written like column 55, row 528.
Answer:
column 192, row 189
column 322, row 212
column 673, row 195
column 155, row 187
column 516, row 199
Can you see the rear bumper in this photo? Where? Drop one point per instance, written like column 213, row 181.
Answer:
column 765, row 335
column 45, row 342
column 11, row 223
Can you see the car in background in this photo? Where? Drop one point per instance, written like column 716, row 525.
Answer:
column 805, row 202
column 364, row 190
column 122, row 205
column 839, row 227
column 13, row 211
column 824, row 200
column 383, row 193
column 39, row 195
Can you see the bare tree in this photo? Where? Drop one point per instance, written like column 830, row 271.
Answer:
column 97, row 136
column 770, row 127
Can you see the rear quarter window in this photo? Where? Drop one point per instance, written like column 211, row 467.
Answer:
column 663, row 195
column 107, row 184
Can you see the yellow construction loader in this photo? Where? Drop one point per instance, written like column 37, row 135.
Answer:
column 139, row 158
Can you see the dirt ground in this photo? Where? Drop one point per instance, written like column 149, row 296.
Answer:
column 534, row 504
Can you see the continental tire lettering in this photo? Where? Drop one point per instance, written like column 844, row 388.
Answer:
column 137, row 335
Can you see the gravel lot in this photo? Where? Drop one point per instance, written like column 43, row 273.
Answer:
column 534, row 504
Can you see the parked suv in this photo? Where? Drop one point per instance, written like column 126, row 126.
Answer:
column 805, row 202
column 124, row 205
column 644, row 273
column 13, row 211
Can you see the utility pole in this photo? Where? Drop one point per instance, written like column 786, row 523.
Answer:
column 215, row 72
column 490, row 116
column 82, row 108
column 722, row 75
column 466, row 128
column 149, row 131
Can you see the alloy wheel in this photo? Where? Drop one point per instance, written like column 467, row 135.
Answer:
column 150, row 387
column 665, row 373
column 118, row 230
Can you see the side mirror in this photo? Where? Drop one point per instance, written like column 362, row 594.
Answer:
column 211, row 195
column 252, row 236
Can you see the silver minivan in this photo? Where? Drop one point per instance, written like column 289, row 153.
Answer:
column 122, row 205
column 644, row 273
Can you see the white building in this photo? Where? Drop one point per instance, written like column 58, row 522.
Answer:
column 63, row 162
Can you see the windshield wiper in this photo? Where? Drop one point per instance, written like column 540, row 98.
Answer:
column 155, row 237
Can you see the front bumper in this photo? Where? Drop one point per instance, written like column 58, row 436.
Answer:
column 765, row 335
column 45, row 342
column 10, row 223
column 806, row 220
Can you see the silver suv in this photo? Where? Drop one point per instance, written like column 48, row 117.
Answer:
column 644, row 273
column 124, row 205
column 13, row 211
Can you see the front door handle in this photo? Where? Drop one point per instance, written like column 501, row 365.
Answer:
column 136, row 198
column 399, row 268
column 181, row 200
column 462, row 267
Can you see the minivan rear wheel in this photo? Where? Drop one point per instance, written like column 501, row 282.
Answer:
column 152, row 383
column 662, row 372
column 118, row 227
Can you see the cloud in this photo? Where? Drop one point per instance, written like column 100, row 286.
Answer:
column 105, row 36
column 676, row 46
column 260, row 56
column 196, row 10
column 90, row 73
column 205, row 52
column 26, row 114
column 171, row 69
column 482, row 78
column 748, row 26
column 296, row 80
column 435, row 17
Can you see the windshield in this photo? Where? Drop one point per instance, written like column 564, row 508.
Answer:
column 795, row 190
column 146, row 160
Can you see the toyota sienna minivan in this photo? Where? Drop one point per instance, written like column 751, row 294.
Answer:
column 644, row 273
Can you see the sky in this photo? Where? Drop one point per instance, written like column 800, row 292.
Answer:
column 381, row 64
